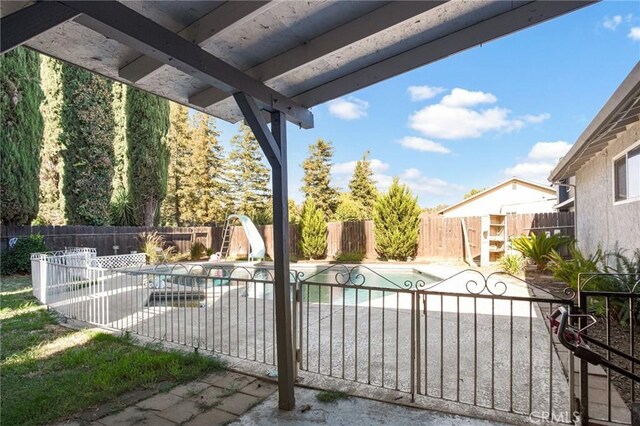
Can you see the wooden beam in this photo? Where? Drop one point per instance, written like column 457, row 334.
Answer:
column 513, row 20
column 229, row 15
column 274, row 146
column 25, row 24
column 380, row 19
column 116, row 21
column 253, row 116
column 282, row 284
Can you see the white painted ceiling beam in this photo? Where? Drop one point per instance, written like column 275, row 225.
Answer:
column 513, row 20
column 116, row 21
column 229, row 15
column 378, row 20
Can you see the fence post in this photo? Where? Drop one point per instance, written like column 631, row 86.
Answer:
column 584, row 365
column 414, row 311
column 43, row 280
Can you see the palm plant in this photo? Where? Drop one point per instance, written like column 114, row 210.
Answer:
column 538, row 247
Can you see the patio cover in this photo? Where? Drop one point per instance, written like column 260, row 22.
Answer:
column 261, row 61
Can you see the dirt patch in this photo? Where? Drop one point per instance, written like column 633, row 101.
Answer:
column 619, row 338
column 619, row 334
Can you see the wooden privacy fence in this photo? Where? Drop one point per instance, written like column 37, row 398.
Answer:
column 440, row 237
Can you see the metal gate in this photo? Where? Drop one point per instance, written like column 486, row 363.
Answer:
column 471, row 339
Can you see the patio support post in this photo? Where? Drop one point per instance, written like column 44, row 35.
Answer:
column 274, row 145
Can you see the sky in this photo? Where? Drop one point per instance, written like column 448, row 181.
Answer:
column 511, row 107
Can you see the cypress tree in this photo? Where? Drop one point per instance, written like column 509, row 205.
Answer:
column 349, row 209
column 249, row 176
column 317, row 177
column 313, row 230
column 205, row 184
column 121, row 159
column 52, row 210
column 362, row 186
column 147, row 126
column 20, row 135
column 122, row 213
column 178, row 143
column 87, row 140
column 396, row 217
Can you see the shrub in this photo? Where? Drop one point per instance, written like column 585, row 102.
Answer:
column 349, row 209
column 350, row 256
column 512, row 264
column 538, row 247
column 396, row 217
column 313, row 231
column 567, row 270
column 18, row 259
column 198, row 251
column 617, row 263
column 153, row 245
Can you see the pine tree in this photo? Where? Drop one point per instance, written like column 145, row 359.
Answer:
column 205, row 182
column 52, row 201
column 87, row 140
column 313, row 231
column 362, row 186
column 20, row 136
column 317, row 177
column 396, row 217
column 249, row 176
column 179, row 145
column 147, row 126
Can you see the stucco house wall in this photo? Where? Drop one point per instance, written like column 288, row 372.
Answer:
column 599, row 220
column 523, row 199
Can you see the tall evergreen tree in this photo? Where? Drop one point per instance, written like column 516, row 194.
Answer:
column 87, row 140
column 21, row 128
column 313, row 230
column 206, row 186
column 362, row 186
column 249, row 176
column 52, row 162
column 396, row 218
column 179, row 145
column 121, row 159
column 147, row 126
column 122, row 213
column 317, row 177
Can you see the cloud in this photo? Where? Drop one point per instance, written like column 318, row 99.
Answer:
column 422, row 185
column 612, row 23
column 420, row 93
column 535, row 119
column 542, row 158
column 549, row 150
column 634, row 34
column 347, row 168
column 349, row 108
column 445, row 122
column 455, row 117
column 466, row 98
column 424, row 145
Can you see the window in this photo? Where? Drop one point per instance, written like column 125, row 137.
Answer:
column 626, row 176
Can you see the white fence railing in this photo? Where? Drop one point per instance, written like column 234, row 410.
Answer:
column 55, row 274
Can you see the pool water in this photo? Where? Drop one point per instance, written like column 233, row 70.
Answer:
column 353, row 293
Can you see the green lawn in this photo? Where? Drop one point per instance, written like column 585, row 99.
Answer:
column 49, row 372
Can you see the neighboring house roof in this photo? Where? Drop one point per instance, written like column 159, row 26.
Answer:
column 481, row 194
column 621, row 111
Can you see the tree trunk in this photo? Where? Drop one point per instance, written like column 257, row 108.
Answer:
column 150, row 209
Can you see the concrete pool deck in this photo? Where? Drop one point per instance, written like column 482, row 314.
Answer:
column 473, row 351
